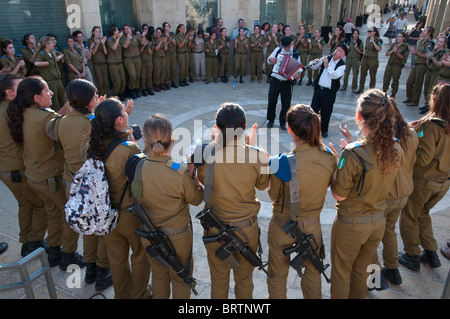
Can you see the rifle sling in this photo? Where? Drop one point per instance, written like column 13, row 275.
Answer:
column 293, row 187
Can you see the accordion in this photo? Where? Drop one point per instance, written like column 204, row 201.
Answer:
column 287, row 66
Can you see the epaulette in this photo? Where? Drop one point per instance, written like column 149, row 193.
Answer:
column 92, row 116
column 326, row 149
column 279, row 166
column 439, row 121
column 176, row 166
column 127, row 143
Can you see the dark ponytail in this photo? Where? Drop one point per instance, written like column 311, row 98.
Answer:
column 305, row 124
column 103, row 124
column 26, row 91
column 230, row 116
column 7, row 83
column 401, row 129
column 80, row 93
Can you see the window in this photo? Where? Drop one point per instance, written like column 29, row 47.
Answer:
column 118, row 12
column 201, row 14
column 272, row 11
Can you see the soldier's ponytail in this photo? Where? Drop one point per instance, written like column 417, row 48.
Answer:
column 157, row 133
column 305, row 124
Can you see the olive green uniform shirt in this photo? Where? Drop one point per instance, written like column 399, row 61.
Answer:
column 179, row 38
column 5, row 61
column 241, row 45
column 99, row 56
column 225, row 50
column 75, row 58
column 50, row 72
column 315, row 50
column 260, row 40
column 132, row 49
column 352, row 53
column 370, row 50
column 114, row 56
column 423, row 46
column 11, row 154
column 393, row 58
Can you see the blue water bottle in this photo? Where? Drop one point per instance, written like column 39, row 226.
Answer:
column 234, row 83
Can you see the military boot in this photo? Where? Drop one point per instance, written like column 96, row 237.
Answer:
column 54, row 255
column 71, row 258
column 91, row 273
column 431, row 258
column 103, row 279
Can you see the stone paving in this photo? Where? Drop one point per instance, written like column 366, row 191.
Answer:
column 192, row 109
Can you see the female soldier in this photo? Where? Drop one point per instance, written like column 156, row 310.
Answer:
column 355, row 48
column 29, row 53
column 175, row 190
column 28, row 114
column 132, row 59
column 273, row 41
column 212, row 63
column 369, row 62
column 171, row 58
column 32, row 216
column 74, row 60
column 159, row 61
column 431, row 181
column 182, row 40
column 394, row 66
column 433, row 59
column 365, row 175
column 114, row 58
column 315, row 43
column 238, row 169
column 110, row 123
column 302, row 46
column 336, row 39
column 70, row 131
column 97, row 46
column 146, row 52
column 240, row 54
column 256, row 43
column 224, row 51
column 46, row 62
column 316, row 165
column 10, row 59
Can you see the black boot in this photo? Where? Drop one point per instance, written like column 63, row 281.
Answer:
column 91, row 273
column 122, row 97
column 103, row 279
column 411, row 262
column 133, row 94
column 138, row 92
column 223, row 80
column 241, row 80
column 167, row 87
column 71, row 258
column 181, row 83
column 174, row 85
column 431, row 258
column 54, row 255
column 191, row 80
column 393, row 275
column 300, row 81
column 309, row 82
column 150, row 91
column 144, row 92
column 185, row 82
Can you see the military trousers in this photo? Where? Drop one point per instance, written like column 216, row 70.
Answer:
column 352, row 64
column 32, row 216
column 147, row 74
column 256, row 63
column 133, row 67
column 240, row 61
column 163, row 278
column 130, row 281
column 183, row 62
column 224, row 65
column 278, row 240
column 368, row 64
column 171, row 68
column 220, row 271
column 415, row 82
column 159, row 70
column 415, row 221
column 101, row 78
column 390, row 246
column 428, row 85
column 59, row 94
column 117, row 74
column 352, row 249
column 304, row 61
column 313, row 74
column 212, row 69
column 59, row 232
column 392, row 72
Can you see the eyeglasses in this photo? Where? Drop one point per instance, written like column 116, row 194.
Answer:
column 369, row 31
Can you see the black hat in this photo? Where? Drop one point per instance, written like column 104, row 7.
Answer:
column 344, row 47
column 286, row 40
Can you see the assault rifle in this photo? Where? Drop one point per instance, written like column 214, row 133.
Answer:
column 229, row 240
column 305, row 250
column 161, row 247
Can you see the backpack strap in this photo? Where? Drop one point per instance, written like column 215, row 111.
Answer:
column 111, row 146
column 133, row 171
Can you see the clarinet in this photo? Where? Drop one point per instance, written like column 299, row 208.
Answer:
column 312, row 63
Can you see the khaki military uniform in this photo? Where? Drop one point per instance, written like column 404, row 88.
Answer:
column 32, row 215
column 100, row 67
column 432, row 75
column 315, row 53
column 115, row 66
column 394, row 68
column 360, row 221
column 132, row 60
column 75, row 58
column 416, row 77
column 173, row 189
column 5, row 61
column 302, row 46
column 316, row 167
column 212, row 61
column 27, row 53
column 334, row 43
column 171, row 59
column 238, row 169
column 53, row 76
column 224, row 56
column 183, row 55
column 444, row 74
column 396, row 200
column 256, row 56
column 147, row 66
column 431, row 181
column 130, row 281
column 240, row 56
column 272, row 46
column 44, row 164
column 352, row 63
column 369, row 63
column 159, row 63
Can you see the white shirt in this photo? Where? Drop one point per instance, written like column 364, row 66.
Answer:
column 282, row 52
column 329, row 73
column 401, row 24
column 348, row 27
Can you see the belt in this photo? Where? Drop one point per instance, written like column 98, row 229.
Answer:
column 241, row 53
column 115, row 63
column 198, row 52
column 132, row 57
column 398, row 202
column 305, row 222
column 370, row 57
column 8, row 174
column 242, row 223
column 173, row 231
column 322, row 88
column 361, row 219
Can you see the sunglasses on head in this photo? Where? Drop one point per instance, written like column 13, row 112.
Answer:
column 370, row 31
